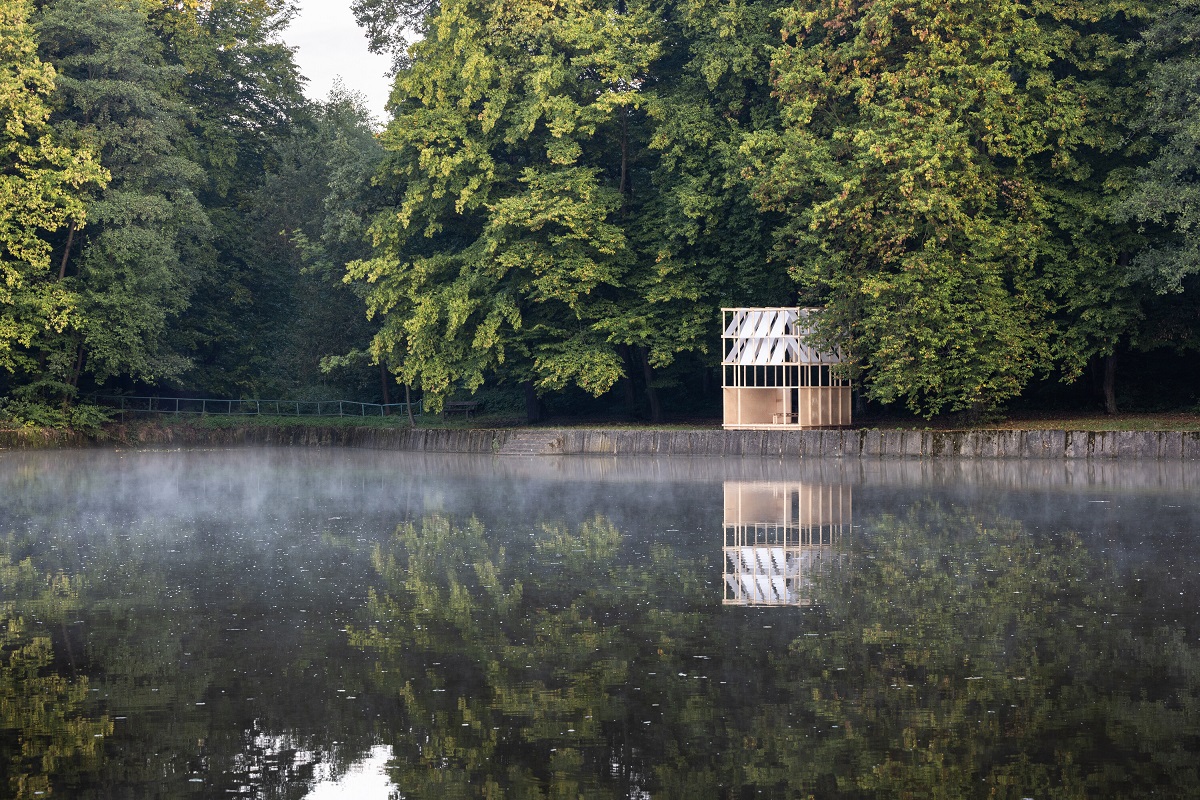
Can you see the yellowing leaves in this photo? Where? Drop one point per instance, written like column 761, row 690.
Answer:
column 39, row 192
column 913, row 117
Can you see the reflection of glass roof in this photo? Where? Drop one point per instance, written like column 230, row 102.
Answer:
column 768, row 575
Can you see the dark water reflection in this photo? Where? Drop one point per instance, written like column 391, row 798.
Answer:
column 266, row 623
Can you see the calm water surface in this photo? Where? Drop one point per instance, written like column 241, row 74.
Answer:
column 355, row 624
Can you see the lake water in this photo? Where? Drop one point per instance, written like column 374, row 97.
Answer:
column 359, row 624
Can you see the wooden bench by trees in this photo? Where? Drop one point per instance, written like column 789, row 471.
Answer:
column 464, row 407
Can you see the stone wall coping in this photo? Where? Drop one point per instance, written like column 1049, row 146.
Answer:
column 803, row 444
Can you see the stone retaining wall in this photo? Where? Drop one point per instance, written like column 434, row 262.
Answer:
column 889, row 443
column 868, row 444
column 423, row 440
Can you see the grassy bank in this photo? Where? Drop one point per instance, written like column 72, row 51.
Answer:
column 138, row 430
column 1165, row 421
column 1103, row 422
column 1176, row 421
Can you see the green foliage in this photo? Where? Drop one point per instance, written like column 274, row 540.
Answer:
column 936, row 162
column 941, row 178
column 946, row 655
column 41, row 192
column 131, row 271
column 82, row 417
column 389, row 24
column 1162, row 194
column 243, row 90
column 45, row 734
column 980, row 195
column 324, row 171
column 504, row 248
column 703, row 240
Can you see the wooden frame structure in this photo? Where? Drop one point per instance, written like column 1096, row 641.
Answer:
column 771, row 377
column 778, row 538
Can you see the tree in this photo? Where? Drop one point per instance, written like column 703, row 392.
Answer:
column 702, row 241
column 389, row 24
column 41, row 187
column 244, row 91
column 132, row 268
column 1162, row 194
column 939, row 164
column 324, row 173
column 503, row 247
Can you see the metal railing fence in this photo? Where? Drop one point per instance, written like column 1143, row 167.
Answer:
column 277, row 408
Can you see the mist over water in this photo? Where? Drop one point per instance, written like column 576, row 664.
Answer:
column 277, row 623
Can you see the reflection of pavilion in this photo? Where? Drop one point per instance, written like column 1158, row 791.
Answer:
column 778, row 536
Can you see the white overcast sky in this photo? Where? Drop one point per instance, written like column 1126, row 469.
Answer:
column 328, row 45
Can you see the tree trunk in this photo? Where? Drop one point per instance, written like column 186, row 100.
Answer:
column 631, row 409
column 1110, row 383
column 383, row 381
column 651, row 393
column 533, row 406
column 62, row 265
column 412, row 423
column 624, row 188
column 78, row 367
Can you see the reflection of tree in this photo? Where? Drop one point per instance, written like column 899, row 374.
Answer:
column 946, row 657
column 516, row 670
column 963, row 660
column 44, row 735
column 950, row 658
column 201, row 670
column 222, row 682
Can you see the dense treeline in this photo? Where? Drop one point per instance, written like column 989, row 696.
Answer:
column 990, row 200
column 161, row 175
